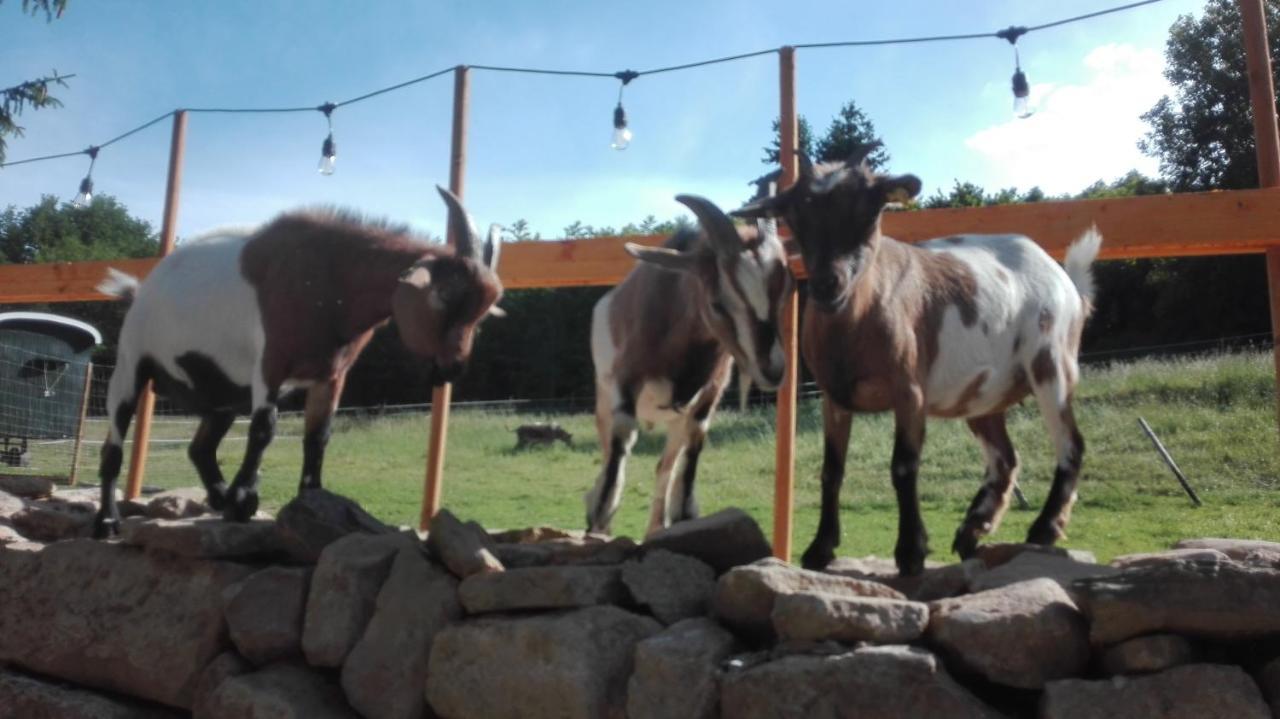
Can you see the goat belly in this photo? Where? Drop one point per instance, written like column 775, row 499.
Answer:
column 206, row 389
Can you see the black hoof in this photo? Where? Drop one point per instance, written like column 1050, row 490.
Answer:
column 965, row 544
column 242, row 504
column 1043, row 533
column 817, row 558
column 217, row 497
column 910, row 560
column 104, row 527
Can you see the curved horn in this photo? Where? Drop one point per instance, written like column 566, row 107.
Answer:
column 719, row 228
column 464, row 231
column 493, row 247
column 806, row 165
column 862, row 152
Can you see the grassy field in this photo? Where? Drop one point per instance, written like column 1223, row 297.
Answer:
column 1216, row 415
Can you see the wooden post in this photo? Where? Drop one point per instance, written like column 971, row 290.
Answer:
column 784, row 460
column 84, row 410
column 441, row 395
column 168, row 230
column 1262, row 97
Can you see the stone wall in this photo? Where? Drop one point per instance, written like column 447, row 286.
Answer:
column 325, row 612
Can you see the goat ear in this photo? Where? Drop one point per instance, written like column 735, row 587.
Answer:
column 664, row 257
column 493, row 247
column 764, row 208
column 899, row 188
column 465, row 236
column 861, row 152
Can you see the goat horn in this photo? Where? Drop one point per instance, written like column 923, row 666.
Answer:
column 806, row 165
column 862, row 152
column 465, row 236
column 719, row 228
column 493, row 247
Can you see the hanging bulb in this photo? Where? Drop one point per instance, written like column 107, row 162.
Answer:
column 1021, row 93
column 85, row 197
column 328, row 156
column 621, row 133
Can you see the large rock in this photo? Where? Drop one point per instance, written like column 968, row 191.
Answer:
column 993, row 555
column 203, row 537
column 264, row 613
column 937, row 581
column 724, row 540
column 542, row 588
column 1249, row 551
column 9, row 535
column 1217, row 600
column 178, row 503
column 745, row 596
column 280, row 691
column 1269, row 680
column 344, row 592
column 23, row 697
column 673, row 586
column 460, row 547
column 567, row 665
column 27, row 486
column 1146, row 559
column 51, row 520
column 316, row 518
column 686, row 655
column 815, row 616
column 1152, row 653
column 384, row 673
column 869, row 683
column 534, row 535
column 112, row 617
column 1194, row 691
column 223, row 667
column 588, row 549
column 1022, row 635
column 1061, row 568
column 10, row 504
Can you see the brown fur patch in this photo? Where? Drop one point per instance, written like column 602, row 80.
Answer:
column 1043, row 368
column 1046, row 320
column 967, row 396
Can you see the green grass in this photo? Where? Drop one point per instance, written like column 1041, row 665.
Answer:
column 1216, row 415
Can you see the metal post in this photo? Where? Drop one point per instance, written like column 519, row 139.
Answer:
column 784, row 461
column 441, row 395
column 1262, row 97
column 168, row 230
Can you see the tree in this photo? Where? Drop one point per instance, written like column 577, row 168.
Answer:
column 1203, row 135
column 850, row 129
column 774, row 151
column 32, row 93
column 50, row 231
column 967, row 194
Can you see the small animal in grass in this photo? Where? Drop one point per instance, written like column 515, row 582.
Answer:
column 962, row 326
column 228, row 323
column 542, row 435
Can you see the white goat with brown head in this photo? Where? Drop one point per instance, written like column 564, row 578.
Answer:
column 961, row 326
column 664, row 342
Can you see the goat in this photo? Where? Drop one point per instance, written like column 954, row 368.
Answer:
column 229, row 321
column 961, row 326
column 664, row 341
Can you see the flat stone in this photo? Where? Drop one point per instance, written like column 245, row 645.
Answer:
column 565, row 551
column 27, row 486
column 177, row 503
column 1194, row 691
column 460, row 547
column 815, row 616
column 1269, row 680
column 745, row 596
column 1214, row 600
column 542, row 588
column 1022, row 635
column 567, row 665
column 111, row 617
column 1152, row 653
column 383, row 675
column 203, row 537
column 317, row 517
column 1234, row 548
column 9, row 535
column 1034, row 565
column 672, row 586
column 223, row 667
column 280, row 691
column 52, row 520
column 724, row 540
column 993, row 555
column 23, row 697
column 884, row 682
column 937, row 581
column 264, row 613
column 533, row 535
column 10, row 504
column 1146, row 559
column 687, row 655
column 344, row 593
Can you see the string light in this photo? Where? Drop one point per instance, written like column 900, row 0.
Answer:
column 328, row 149
column 621, row 133
column 84, row 198
column 1021, row 88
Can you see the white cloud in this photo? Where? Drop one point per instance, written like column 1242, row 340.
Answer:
column 1079, row 133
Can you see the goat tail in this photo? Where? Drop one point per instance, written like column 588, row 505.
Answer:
column 120, row 285
column 1080, row 257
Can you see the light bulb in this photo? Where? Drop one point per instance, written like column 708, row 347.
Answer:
column 621, row 133
column 1021, row 95
column 85, row 197
column 328, row 156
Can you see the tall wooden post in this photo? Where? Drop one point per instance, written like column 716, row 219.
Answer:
column 168, row 230
column 784, row 460
column 1262, row 96
column 441, row 395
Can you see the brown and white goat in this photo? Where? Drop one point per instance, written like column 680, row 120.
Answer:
column 228, row 322
column 962, row 327
column 664, row 342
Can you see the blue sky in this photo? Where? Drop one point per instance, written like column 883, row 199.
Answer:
column 539, row 146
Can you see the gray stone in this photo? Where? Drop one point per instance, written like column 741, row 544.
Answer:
column 534, row 535
column 280, row 691
column 264, row 613
column 937, row 581
column 724, row 540
column 672, row 586
column 1234, row 548
column 1146, row 559
column 567, row 665
column 815, row 616
column 1152, row 653
column 460, row 547
column 384, row 673
column 223, row 667
column 344, row 592
column 1216, row 600
column 1022, row 635
column 52, row 520
column 1034, row 565
column 565, row 551
column 993, row 555
column 1194, row 691
column 112, row 617
column 23, row 697
column 745, row 596
column 686, row 655
column 10, row 504
column 203, row 537
column 27, row 486
column 9, row 535
column 886, row 682
column 316, row 518
column 1269, row 681
column 542, row 588
column 177, row 503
